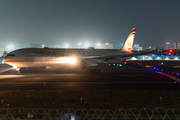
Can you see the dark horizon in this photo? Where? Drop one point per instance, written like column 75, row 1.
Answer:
column 71, row 22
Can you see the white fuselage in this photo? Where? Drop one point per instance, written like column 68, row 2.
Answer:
column 43, row 57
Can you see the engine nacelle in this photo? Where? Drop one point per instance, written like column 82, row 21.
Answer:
column 87, row 65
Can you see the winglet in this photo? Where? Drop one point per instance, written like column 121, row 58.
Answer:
column 127, row 47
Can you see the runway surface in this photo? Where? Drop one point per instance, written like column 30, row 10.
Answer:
column 133, row 78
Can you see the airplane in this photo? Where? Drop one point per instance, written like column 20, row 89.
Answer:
column 85, row 59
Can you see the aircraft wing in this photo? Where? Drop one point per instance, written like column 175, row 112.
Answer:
column 126, row 56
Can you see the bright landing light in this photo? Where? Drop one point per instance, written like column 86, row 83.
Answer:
column 70, row 60
column 14, row 67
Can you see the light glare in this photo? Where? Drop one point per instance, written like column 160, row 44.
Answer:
column 70, row 60
column 10, row 47
column 66, row 46
column 14, row 67
column 86, row 45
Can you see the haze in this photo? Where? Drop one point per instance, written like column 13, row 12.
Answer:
column 74, row 21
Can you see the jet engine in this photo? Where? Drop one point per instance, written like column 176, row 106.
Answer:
column 88, row 65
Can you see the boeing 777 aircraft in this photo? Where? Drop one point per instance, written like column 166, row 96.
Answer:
column 85, row 59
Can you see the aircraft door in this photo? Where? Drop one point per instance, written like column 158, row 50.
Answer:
column 26, row 56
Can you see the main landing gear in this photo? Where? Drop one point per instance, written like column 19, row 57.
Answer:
column 18, row 71
column 95, row 71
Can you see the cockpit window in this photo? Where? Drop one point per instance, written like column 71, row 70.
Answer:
column 10, row 54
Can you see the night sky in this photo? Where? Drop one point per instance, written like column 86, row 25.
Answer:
column 92, row 21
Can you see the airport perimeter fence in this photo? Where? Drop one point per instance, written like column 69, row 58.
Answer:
column 91, row 114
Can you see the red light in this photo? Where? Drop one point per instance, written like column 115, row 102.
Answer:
column 170, row 50
column 124, row 62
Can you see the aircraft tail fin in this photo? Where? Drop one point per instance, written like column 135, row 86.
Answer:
column 127, row 47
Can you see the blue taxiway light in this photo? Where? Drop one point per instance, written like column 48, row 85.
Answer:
column 26, row 68
column 154, row 68
column 137, row 63
column 157, row 68
column 140, row 63
column 162, row 70
column 172, row 73
column 177, row 73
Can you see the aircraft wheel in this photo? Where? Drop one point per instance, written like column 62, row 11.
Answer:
column 98, row 70
column 18, row 71
column 92, row 71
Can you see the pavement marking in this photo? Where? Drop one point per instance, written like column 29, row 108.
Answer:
column 6, row 70
column 76, row 83
column 170, row 76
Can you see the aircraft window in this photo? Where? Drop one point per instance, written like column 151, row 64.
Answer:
column 11, row 55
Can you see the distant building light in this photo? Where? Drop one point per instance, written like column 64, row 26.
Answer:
column 149, row 58
column 158, row 58
column 98, row 44
column 166, row 58
column 10, row 47
column 168, row 43
column 66, row 46
column 133, row 58
column 137, row 45
column 176, row 58
column 87, row 45
column 106, row 43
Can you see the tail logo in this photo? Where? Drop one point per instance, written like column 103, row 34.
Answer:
column 129, row 44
